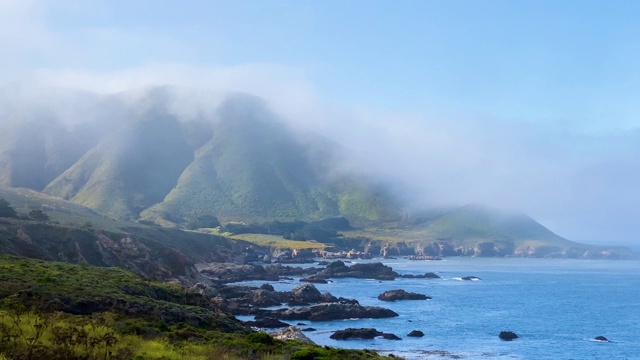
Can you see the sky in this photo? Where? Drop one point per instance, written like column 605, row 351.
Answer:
column 531, row 105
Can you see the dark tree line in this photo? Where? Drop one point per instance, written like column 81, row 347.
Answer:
column 7, row 211
column 325, row 230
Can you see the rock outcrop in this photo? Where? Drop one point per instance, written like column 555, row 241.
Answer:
column 291, row 333
column 231, row 272
column 507, row 335
column 304, row 295
column 247, row 300
column 338, row 269
column 361, row 333
column 266, row 323
column 352, row 333
column 395, row 295
column 428, row 275
column 470, row 278
column 329, row 312
column 416, row 333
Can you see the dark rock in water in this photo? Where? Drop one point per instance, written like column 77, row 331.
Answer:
column 267, row 287
column 305, row 294
column 329, row 312
column 301, row 324
column 230, row 272
column 390, row 336
column 328, row 298
column 280, row 270
column 308, row 329
column 314, row 280
column 267, row 323
column 416, row 333
column 428, row 275
column 507, row 335
column 352, row 333
column 338, row 269
column 471, row 278
column 395, row 295
column 601, row 338
column 265, row 298
column 323, row 263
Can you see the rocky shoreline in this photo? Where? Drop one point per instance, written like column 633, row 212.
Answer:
column 437, row 250
column 304, row 302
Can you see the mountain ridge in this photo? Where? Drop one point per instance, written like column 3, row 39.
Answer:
column 238, row 161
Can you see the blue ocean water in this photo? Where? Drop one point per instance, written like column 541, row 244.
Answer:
column 556, row 306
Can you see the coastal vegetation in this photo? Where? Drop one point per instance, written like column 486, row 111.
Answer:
column 52, row 310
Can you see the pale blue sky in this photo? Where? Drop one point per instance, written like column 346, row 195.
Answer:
column 522, row 104
column 553, row 61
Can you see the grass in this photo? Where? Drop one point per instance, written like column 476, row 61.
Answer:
column 272, row 241
column 52, row 310
column 277, row 242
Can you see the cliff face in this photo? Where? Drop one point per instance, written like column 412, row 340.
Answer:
column 151, row 252
column 428, row 250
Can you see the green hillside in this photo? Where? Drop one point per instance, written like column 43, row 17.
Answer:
column 239, row 163
column 134, row 158
column 466, row 226
column 53, row 310
column 482, row 223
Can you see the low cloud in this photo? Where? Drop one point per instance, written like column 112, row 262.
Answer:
column 582, row 185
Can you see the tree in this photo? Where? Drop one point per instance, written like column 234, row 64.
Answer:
column 38, row 215
column 6, row 210
column 203, row 221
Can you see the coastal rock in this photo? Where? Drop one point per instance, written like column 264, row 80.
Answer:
column 230, row 272
column 291, row 333
column 265, row 298
column 329, row 312
column 267, row 287
column 470, row 278
column 305, row 294
column 204, row 290
column 338, row 269
column 353, row 333
column 395, row 295
column 309, row 329
column 283, row 270
column 601, row 338
column 247, row 300
column 390, row 336
column 267, row 323
column 428, row 275
column 416, row 333
column 328, row 298
column 507, row 335
column 314, row 280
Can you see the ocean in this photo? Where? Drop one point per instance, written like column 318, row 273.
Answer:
column 556, row 306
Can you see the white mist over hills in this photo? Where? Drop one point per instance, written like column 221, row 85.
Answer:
column 579, row 185
column 521, row 136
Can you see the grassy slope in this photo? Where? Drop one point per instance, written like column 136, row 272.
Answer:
column 130, row 171
column 252, row 169
column 469, row 225
column 79, row 234
column 109, row 313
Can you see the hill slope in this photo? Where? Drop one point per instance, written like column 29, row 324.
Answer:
column 137, row 157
